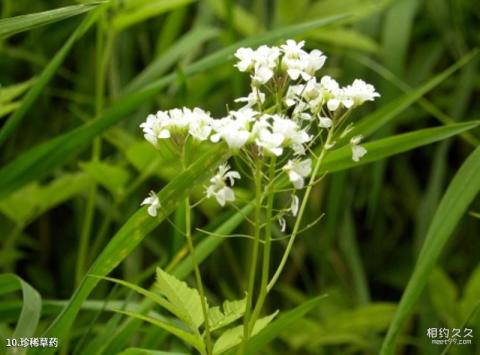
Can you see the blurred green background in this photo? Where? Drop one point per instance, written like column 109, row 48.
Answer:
column 55, row 223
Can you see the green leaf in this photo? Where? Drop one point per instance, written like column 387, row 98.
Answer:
column 28, row 203
column 11, row 92
column 182, row 297
column 110, row 176
column 374, row 121
column 341, row 37
column 160, row 65
column 233, row 336
column 194, row 340
column 444, row 296
column 39, row 161
column 131, row 234
column 272, row 331
column 341, row 158
column 144, row 11
column 31, row 306
column 44, row 78
column 471, row 294
column 460, row 193
column 12, row 25
column 243, row 21
column 162, row 302
column 230, row 312
column 6, row 109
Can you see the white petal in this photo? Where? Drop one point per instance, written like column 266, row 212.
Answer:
column 358, row 152
column 294, row 205
column 152, row 211
column 333, row 104
column 325, row 122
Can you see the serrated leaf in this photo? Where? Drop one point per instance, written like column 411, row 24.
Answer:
column 230, row 312
column 186, row 299
column 162, row 302
column 233, row 336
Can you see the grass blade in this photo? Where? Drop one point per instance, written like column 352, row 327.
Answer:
column 373, row 122
column 31, row 305
column 460, row 193
column 45, row 77
column 17, row 24
column 341, row 159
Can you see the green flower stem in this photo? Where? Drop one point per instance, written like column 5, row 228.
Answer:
column 266, row 247
column 298, row 222
column 198, row 278
column 191, row 249
column 254, row 256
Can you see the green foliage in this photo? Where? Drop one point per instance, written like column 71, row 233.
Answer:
column 10, row 26
column 31, row 306
column 460, row 193
column 91, row 72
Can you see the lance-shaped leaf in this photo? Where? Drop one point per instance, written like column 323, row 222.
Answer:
column 460, row 193
column 12, row 25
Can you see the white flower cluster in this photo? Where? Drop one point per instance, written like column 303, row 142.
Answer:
column 284, row 122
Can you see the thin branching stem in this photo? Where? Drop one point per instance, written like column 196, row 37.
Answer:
column 266, row 250
column 254, row 255
column 301, row 211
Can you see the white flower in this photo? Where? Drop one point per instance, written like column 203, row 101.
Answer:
column 358, row 151
column 313, row 61
column 219, row 188
column 154, row 203
column 232, row 129
column 298, row 63
column 292, row 49
column 293, row 94
column 282, row 223
column 293, row 135
column 359, row 92
column 246, row 58
column 324, row 122
column 261, row 61
column 254, row 98
column 294, row 205
column 297, row 170
column 200, row 124
column 151, row 129
column 271, row 142
column 332, row 92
